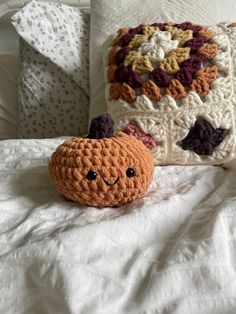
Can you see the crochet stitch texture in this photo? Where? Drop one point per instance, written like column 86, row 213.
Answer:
column 102, row 172
column 164, row 77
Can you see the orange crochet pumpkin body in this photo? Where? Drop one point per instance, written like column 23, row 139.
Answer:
column 102, row 172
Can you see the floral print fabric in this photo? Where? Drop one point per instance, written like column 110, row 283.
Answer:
column 54, row 82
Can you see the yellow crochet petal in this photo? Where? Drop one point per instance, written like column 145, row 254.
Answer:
column 142, row 65
column 132, row 57
column 138, row 40
column 180, row 35
column 150, row 30
column 138, row 62
column 170, row 65
column 180, row 54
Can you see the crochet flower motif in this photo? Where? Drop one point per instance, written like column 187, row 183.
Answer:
column 163, row 59
column 159, row 44
column 203, row 138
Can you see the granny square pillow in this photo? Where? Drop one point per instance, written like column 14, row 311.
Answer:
column 172, row 85
column 108, row 16
column 53, row 81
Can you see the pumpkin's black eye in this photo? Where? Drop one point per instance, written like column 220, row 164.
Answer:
column 130, row 172
column 91, row 175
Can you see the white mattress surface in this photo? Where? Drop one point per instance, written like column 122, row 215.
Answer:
column 172, row 251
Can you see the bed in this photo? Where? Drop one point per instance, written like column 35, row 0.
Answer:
column 172, row 251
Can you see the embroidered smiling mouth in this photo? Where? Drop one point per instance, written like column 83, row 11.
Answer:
column 107, row 183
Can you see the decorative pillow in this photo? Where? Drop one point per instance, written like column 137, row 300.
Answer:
column 108, row 16
column 53, row 87
column 8, row 96
column 172, row 86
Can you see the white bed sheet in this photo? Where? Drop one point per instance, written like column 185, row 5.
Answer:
column 171, row 252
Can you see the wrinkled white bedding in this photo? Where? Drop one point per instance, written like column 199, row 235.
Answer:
column 173, row 251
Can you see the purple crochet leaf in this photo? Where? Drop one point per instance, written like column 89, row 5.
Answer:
column 121, row 55
column 203, row 138
column 185, row 76
column 195, row 43
column 160, row 77
column 161, row 26
column 125, row 75
column 193, row 63
column 101, row 127
column 188, row 26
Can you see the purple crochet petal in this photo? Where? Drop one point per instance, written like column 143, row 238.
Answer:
column 136, row 30
column 188, row 26
column 193, row 63
column 195, row 43
column 185, row 76
column 133, row 79
column 125, row 39
column 120, row 74
column 121, row 55
column 125, row 75
column 160, row 77
column 161, row 26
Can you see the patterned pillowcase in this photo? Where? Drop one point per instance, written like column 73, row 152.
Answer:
column 53, row 82
column 172, row 86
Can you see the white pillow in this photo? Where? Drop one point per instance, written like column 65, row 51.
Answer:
column 8, row 96
column 108, row 16
column 54, row 87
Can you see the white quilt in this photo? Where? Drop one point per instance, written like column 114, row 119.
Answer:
column 173, row 251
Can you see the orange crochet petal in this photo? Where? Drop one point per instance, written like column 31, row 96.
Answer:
column 209, row 51
column 206, row 33
column 112, row 54
column 123, row 31
column 176, row 90
column 151, row 90
column 110, row 73
column 122, row 91
column 209, row 74
column 200, row 86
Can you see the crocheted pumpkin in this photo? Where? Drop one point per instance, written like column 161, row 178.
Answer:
column 102, row 169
